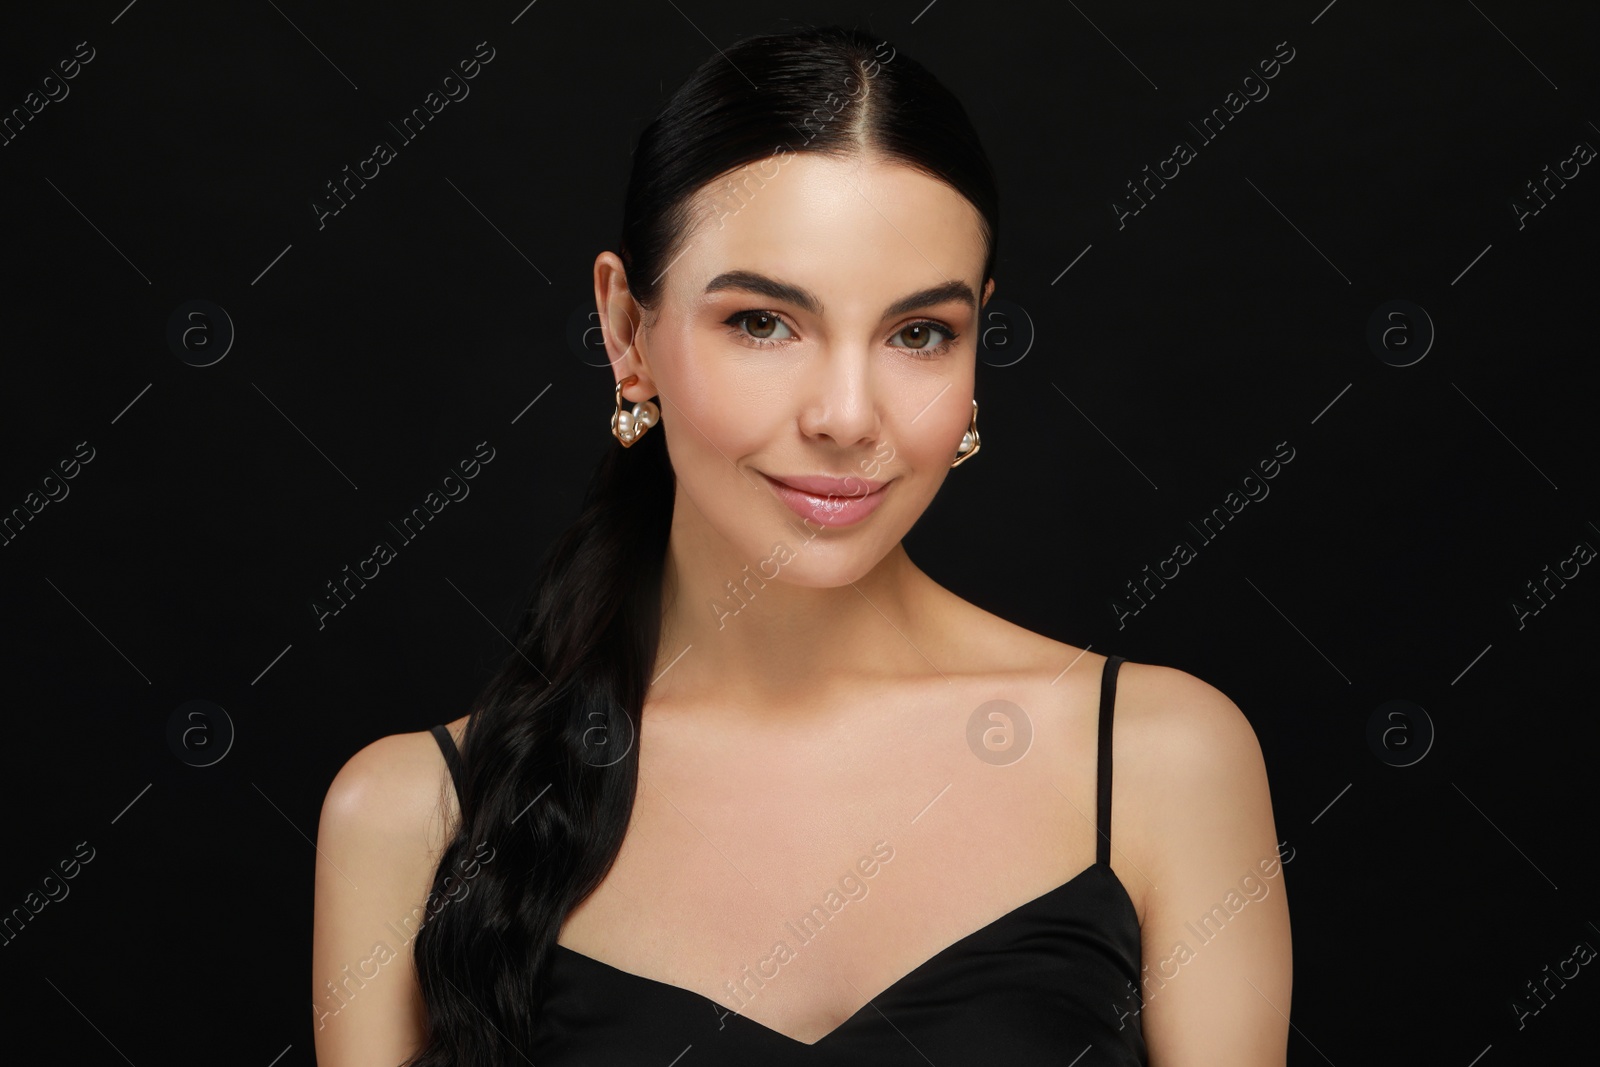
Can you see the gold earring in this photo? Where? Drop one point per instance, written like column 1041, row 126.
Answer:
column 629, row 426
column 969, row 440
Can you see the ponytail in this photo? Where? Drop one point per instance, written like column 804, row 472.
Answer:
column 550, row 765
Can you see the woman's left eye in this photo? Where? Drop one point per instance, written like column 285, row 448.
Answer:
column 917, row 336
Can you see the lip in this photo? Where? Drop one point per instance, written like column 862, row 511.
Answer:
column 827, row 500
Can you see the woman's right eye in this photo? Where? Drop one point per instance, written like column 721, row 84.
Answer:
column 759, row 326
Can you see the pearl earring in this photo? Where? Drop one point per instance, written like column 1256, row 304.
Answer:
column 629, row 426
column 969, row 440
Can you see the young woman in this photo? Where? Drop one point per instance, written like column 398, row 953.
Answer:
column 752, row 788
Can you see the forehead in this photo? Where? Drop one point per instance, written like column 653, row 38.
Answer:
column 850, row 229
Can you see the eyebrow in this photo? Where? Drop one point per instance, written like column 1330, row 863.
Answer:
column 754, row 282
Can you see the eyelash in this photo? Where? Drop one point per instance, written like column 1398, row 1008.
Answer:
column 950, row 336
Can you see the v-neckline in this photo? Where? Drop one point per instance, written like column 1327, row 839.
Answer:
column 885, row 991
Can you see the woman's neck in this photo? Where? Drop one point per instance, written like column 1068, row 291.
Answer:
column 744, row 631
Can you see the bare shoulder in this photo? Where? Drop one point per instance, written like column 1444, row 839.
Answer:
column 1192, row 782
column 1166, row 718
column 1203, row 832
column 388, row 814
column 1179, row 721
column 392, row 788
column 1193, row 836
column 1186, row 754
column 383, row 825
column 1189, row 783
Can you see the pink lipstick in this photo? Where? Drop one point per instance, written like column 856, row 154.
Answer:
column 826, row 500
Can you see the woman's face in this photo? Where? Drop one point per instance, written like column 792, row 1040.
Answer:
column 819, row 322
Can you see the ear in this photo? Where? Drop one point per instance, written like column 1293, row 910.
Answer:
column 621, row 327
column 988, row 291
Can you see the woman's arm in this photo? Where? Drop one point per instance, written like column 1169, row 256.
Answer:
column 1215, row 936
column 377, row 846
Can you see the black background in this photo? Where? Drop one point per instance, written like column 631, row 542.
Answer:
column 374, row 353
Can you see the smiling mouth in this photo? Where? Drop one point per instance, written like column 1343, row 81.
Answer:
column 830, row 501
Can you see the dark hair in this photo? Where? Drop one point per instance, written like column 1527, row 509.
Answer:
column 550, row 764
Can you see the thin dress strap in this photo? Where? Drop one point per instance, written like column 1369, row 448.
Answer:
column 452, row 755
column 1108, row 697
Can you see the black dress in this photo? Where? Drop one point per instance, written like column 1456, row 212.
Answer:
column 1054, row 981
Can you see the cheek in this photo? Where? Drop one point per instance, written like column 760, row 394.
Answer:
column 927, row 441
column 720, row 416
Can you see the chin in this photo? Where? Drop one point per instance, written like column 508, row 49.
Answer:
column 824, row 576
column 801, row 555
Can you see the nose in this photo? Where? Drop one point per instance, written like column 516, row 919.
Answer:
column 839, row 398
